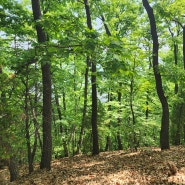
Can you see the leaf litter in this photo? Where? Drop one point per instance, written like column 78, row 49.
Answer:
column 144, row 167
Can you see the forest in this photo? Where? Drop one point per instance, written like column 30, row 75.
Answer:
column 91, row 78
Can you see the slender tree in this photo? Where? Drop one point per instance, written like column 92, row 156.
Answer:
column 84, row 116
column 46, row 81
column 95, row 150
column 164, row 134
column 11, row 161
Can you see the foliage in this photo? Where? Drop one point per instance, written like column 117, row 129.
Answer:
column 124, row 70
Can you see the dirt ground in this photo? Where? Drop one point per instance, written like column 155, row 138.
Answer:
column 147, row 166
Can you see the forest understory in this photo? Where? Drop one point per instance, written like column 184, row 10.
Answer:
column 146, row 166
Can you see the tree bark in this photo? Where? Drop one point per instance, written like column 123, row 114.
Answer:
column 27, row 125
column 13, row 168
column 94, row 111
column 147, row 105
column 183, row 46
column 120, row 146
column 61, row 129
column 176, row 62
column 164, row 134
column 80, row 141
column 175, row 53
column 46, row 81
column 95, row 149
column 108, row 138
column 105, row 26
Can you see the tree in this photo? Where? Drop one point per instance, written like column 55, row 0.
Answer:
column 164, row 135
column 84, row 116
column 95, row 149
column 104, row 90
column 46, row 81
column 8, row 119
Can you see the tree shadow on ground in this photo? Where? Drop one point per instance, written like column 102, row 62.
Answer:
column 119, row 167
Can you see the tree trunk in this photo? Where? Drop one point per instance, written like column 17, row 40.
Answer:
column 94, row 111
column 36, row 127
column 58, row 109
column 80, row 141
column 175, row 53
column 176, row 62
column 95, row 149
column 147, row 110
column 164, row 134
column 108, row 138
column 11, row 163
column 27, row 125
column 61, row 129
column 183, row 46
column 120, row 146
column 46, row 81
column 184, row 132
column 105, row 26
column 13, row 168
column 135, row 142
column 108, row 143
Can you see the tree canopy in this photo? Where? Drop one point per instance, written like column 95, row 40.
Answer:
column 90, row 76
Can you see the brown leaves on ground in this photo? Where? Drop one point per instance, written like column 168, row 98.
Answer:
column 147, row 166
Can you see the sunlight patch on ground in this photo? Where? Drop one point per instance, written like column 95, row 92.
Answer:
column 122, row 177
column 90, row 164
column 126, row 177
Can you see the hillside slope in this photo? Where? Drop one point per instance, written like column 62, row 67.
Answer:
column 147, row 166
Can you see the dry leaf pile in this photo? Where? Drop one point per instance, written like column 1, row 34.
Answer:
column 147, row 166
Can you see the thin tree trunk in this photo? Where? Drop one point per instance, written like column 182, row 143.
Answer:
column 176, row 62
column 95, row 149
column 80, row 141
column 120, row 146
column 147, row 104
column 108, row 143
column 175, row 53
column 58, row 109
column 105, row 25
column 12, row 163
column 61, row 127
column 46, row 81
column 27, row 125
column 183, row 46
column 131, row 102
column 177, row 139
column 184, row 132
column 94, row 111
column 73, row 137
column 164, row 134
column 36, row 129
column 66, row 151
column 35, row 112
column 108, row 138
column 184, row 64
column 135, row 141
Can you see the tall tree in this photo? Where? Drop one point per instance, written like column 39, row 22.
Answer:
column 164, row 134
column 84, row 116
column 94, row 115
column 6, row 149
column 46, row 81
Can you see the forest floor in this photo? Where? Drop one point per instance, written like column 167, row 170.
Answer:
column 144, row 167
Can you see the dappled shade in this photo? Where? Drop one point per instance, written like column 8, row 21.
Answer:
column 146, row 166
